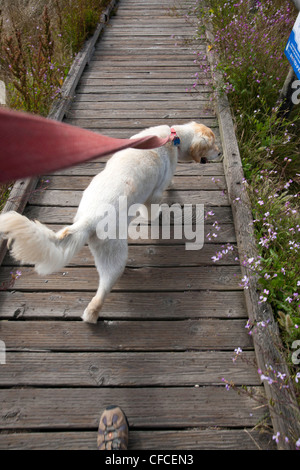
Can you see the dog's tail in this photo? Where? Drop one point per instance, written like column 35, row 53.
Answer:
column 33, row 243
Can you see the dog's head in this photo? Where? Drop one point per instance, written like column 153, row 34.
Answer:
column 203, row 147
column 199, row 143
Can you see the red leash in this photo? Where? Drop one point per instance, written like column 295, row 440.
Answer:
column 32, row 145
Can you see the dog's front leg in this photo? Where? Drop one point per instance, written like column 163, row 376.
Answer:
column 91, row 313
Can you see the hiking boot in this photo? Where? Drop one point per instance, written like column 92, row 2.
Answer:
column 113, row 429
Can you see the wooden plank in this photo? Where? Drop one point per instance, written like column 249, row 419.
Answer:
column 135, row 19
column 117, row 113
column 133, row 279
column 87, row 97
column 115, row 335
column 135, row 88
column 98, row 66
column 103, row 124
column 165, row 408
column 160, row 22
column 160, row 31
column 65, row 215
column 179, row 183
column 142, row 47
column 149, row 42
column 152, row 62
column 127, row 369
column 141, row 12
column 157, row 106
column 163, row 255
column 73, row 198
column 217, row 237
column 153, row 33
column 92, row 168
column 196, row 439
column 140, row 74
column 139, row 54
column 125, row 82
column 124, row 305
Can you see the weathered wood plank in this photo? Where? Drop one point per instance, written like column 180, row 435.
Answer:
column 163, row 23
column 196, row 439
column 173, row 83
column 141, row 89
column 139, row 54
column 65, row 215
column 115, row 335
column 153, row 62
column 136, row 68
column 146, row 89
column 158, row 107
column 189, row 169
column 145, row 407
column 142, row 49
column 107, row 74
column 73, row 198
column 128, row 97
column 161, row 255
column 124, row 305
column 148, row 42
column 143, row 123
column 202, row 115
column 135, row 19
column 178, row 183
column 128, row 369
column 180, row 44
column 135, row 32
column 152, row 33
column 217, row 237
column 133, row 279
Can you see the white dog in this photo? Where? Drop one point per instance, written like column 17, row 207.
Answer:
column 139, row 175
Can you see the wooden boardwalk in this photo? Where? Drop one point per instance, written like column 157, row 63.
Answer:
column 169, row 329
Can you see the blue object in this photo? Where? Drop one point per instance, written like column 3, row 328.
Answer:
column 292, row 49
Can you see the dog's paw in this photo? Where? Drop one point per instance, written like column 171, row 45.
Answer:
column 90, row 316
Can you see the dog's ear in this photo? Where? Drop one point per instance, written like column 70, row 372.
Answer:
column 203, row 131
column 203, row 140
column 199, row 149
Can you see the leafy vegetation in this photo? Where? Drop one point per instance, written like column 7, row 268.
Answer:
column 249, row 41
column 38, row 43
column 37, row 48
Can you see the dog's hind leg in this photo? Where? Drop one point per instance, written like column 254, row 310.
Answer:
column 110, row 260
